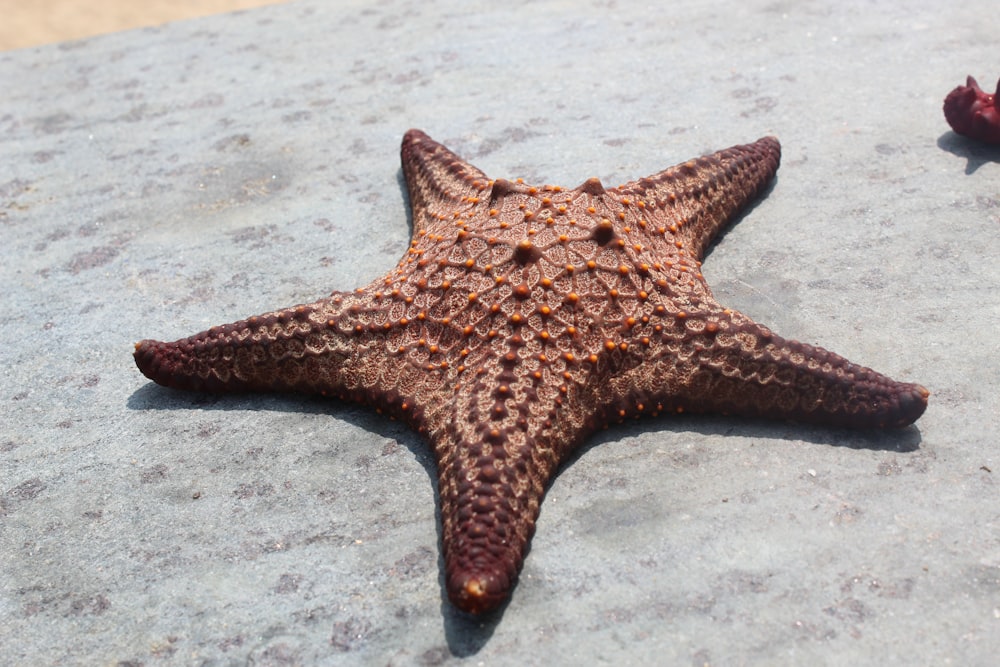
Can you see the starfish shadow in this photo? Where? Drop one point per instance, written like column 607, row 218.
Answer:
column 154, row 397
column 706, row 425
column 466, row 635
column 404, row 195
column 976, row 153
column 743, row 214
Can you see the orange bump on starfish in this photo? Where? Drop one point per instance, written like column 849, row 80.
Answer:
column 522, row 318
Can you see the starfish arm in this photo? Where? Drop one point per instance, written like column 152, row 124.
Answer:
column 726, row 363
column 701, row 196
column 491, row 484
column 498, row 442
column 438, row 181
column 310, row 348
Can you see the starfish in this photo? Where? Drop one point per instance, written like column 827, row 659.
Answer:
column 973, row 112
column 520, row 319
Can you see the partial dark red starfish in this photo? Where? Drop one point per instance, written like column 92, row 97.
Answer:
column 520, row 319
column 973, row 112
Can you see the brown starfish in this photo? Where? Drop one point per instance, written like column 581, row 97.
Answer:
column 520, row 319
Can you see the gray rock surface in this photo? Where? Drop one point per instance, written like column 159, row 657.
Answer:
column 159, row 181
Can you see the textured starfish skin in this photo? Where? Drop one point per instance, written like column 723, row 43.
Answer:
column 521, row 319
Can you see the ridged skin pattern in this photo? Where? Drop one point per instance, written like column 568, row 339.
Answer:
column 523, row 317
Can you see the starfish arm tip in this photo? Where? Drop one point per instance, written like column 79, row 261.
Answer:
column 167, row 364
column 478, row 592
column 890, row 405
column 147, row 358
column 910, row 405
